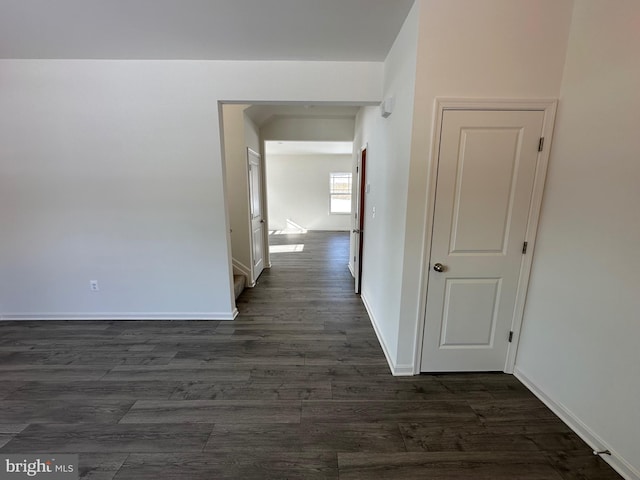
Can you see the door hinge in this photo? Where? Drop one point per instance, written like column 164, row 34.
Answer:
column 510, row 337
column 524, row 247
column 541, row 144
column 354, row 258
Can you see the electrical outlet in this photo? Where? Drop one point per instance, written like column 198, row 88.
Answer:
column 93, row 285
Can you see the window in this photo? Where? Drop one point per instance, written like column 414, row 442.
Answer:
column 340, row 192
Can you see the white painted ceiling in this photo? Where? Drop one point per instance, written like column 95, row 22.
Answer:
column 308, row 148
column 341, row 30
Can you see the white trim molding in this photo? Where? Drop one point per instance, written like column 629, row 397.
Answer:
column 546, row 105
column 396, row 370
column 242, row 269
column 123, row 316
column 618, row 463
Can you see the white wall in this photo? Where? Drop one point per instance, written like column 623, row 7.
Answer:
column 388, row 156
column 251, row 134
column 112, row 170
column 239, row 133
column 309, row 129
column 488, row 49
column 579, row 344
column 298, row 190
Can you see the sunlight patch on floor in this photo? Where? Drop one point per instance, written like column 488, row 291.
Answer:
column 299, row 247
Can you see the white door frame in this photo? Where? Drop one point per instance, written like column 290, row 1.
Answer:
column 265, row 207
column 546, row 105
column 357, row 218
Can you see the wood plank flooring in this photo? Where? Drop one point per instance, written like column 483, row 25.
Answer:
column 296, row 387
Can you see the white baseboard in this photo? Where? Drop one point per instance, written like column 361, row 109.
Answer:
column 618, row 463
column 396, row 370
column 404, row 371
column 123, row 316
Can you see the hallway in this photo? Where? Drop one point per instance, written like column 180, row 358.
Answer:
column 297, row 387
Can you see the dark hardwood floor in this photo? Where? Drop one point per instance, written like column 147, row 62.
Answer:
column 296, row 387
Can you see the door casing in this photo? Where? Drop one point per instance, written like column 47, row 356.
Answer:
column 548, row 106
column 358, row 230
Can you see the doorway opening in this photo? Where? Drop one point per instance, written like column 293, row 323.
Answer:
column 290, row 169
column 309, row 189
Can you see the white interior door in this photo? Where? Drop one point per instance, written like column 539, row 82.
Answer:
column 486, row 171
column 255, row 208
